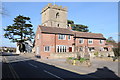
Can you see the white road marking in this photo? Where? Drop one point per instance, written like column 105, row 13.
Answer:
column 53, row 75
column 11, row 69
column 19, row 60
column 32, row 65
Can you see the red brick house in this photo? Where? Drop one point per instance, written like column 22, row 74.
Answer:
column 50, row 39
column 56, row 40
column 93, row 41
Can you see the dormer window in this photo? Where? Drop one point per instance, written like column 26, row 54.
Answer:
column 57, row 14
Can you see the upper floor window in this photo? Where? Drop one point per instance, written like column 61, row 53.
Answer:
column 62, row 37
column 90, row 41
column 47, row 48
column 101, row 41
column 57, row 14
column 81, row 41
column 69, row 37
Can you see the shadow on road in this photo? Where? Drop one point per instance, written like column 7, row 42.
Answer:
column 8, row 54
column 37, row 71
column 105, row 73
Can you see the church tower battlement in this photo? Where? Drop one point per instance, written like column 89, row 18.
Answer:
column 54, row 16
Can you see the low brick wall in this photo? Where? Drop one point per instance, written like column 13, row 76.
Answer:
column 62, row 55
column 74, row 54
column 102, row 54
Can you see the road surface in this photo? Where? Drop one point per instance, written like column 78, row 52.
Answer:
column 19, row 67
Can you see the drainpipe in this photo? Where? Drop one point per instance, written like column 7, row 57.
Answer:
column 75, row 43
column 55, row 43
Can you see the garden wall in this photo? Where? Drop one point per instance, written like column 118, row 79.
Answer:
column 63, row 55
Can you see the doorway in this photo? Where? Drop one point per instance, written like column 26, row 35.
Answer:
column 37, row 50
column 70, row 49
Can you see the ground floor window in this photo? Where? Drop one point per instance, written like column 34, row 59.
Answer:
column 105, row 49
column 91, row 48
column 61, row 48
column 81, row 49
column 47, row 48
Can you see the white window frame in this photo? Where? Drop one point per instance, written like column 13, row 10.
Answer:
column 82, row 40
column 38, row 36
column 90, row 40
column 60, row 36
column 69, row 37
column 101, row 41
column 61, row 48
column 47, row 49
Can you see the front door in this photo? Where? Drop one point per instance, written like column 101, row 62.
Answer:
column 37, row 50
column 70, row 49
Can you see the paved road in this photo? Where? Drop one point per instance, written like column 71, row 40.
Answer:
column 21, row 67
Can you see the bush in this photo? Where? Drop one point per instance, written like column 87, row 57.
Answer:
column 71, row 58
column 96, row 53
column 82, row 59
column 116, row 52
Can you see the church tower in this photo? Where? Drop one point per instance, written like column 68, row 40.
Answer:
column 54, row 16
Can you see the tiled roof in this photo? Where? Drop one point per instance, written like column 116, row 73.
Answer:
column 112, row 43
column 55, row 30
column 88, row 35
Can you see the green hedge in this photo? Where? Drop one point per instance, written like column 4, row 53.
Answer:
column 81, row 59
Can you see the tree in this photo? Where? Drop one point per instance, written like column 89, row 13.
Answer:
column 78, row 27
column 19, row 30
column 110, row 39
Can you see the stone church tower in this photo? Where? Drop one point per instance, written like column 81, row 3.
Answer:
column 54, row 16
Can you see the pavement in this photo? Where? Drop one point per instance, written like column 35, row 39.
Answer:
column 105, row 66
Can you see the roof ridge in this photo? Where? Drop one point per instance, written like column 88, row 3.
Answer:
column 52, row 27
column 86, row 32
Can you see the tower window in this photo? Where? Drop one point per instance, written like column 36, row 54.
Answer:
column 58, row 25
column 57, row 15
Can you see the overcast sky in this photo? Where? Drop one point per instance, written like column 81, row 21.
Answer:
column 100, row 17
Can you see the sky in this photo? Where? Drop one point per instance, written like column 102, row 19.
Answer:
column 100, row 17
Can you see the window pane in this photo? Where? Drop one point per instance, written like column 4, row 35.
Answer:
column 47, row 48
column 58, row 49
column 69, row 36
column 65, row 48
